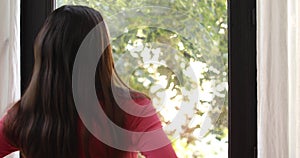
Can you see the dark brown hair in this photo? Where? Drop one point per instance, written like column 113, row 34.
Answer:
column 44, row 123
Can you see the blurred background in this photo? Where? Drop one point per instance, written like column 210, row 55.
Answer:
column 190, row 35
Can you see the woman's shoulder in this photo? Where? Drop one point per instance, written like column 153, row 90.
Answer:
column 143, row 117
column 127, row 96
column 140, row 98
column 5, row 145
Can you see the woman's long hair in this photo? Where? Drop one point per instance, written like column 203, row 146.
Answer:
column 44, row 123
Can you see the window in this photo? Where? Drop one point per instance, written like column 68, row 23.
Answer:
column 202, row 45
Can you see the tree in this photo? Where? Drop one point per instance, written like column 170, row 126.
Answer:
column 181, row 34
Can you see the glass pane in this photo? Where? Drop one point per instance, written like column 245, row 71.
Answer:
column 181, row 56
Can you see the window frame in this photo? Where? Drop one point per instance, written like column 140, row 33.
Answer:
column 33, row 15
column 242, row 67
column 242, row 79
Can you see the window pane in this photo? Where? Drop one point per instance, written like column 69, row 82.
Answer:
column 180, row 47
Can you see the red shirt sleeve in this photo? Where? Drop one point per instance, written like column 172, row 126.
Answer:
column 150, row 123
column 5, row 147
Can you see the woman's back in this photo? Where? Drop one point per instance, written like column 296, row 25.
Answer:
column 46, row 122
column 93, row 148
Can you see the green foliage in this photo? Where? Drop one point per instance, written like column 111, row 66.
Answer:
column 197, row 30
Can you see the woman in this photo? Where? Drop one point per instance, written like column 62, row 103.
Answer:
column 45, row 122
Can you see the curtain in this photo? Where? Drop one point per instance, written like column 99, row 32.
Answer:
column 294, row 77
column 9, row 55
column 278, row 78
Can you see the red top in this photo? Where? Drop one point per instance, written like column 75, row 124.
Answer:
column 97, row 148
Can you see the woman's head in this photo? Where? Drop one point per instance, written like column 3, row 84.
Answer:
column 57, row 43
column 44, row 123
